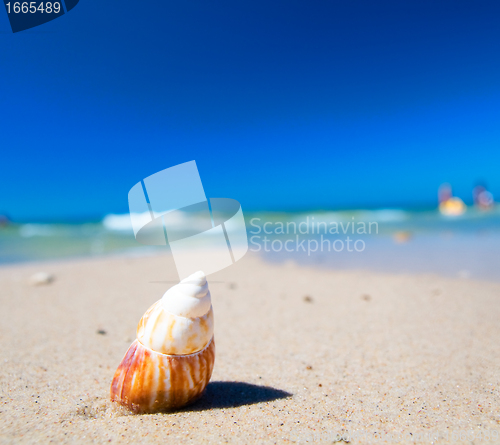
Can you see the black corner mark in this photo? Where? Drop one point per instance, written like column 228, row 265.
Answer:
column 28, row 14
column 70, row 4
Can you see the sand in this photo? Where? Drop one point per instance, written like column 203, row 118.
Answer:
column 303, row 355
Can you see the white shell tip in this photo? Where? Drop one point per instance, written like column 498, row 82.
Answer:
column 196, row 278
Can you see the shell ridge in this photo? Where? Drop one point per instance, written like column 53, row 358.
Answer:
column 156, row 368
column 151, row 320
column 129, row 361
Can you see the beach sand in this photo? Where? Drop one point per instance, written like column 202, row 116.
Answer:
column 303, row 355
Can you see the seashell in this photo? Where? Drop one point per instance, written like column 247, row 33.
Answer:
column 170, row 363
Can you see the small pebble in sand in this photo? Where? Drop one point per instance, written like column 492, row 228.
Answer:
column 308, row 299
column 101, row 332
column 309, row 367
column 41, row 278
column 366, row 297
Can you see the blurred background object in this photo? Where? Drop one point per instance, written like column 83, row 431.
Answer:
column 4, row 221
column 450, row 205
column 483, row 199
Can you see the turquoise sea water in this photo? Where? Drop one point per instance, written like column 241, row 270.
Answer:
column 390, row 240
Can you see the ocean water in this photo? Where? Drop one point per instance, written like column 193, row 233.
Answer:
column 387, row 240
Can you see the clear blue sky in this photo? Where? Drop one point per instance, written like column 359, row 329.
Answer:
column 284, row 104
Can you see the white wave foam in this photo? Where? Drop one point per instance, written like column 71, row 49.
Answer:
column 122, row 223
column 30, row 230
column 382, row 215
column 177, row 221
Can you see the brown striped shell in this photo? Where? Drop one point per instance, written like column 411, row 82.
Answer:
column 147, row 381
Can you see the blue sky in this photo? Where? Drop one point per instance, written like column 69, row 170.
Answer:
column 284, row 105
